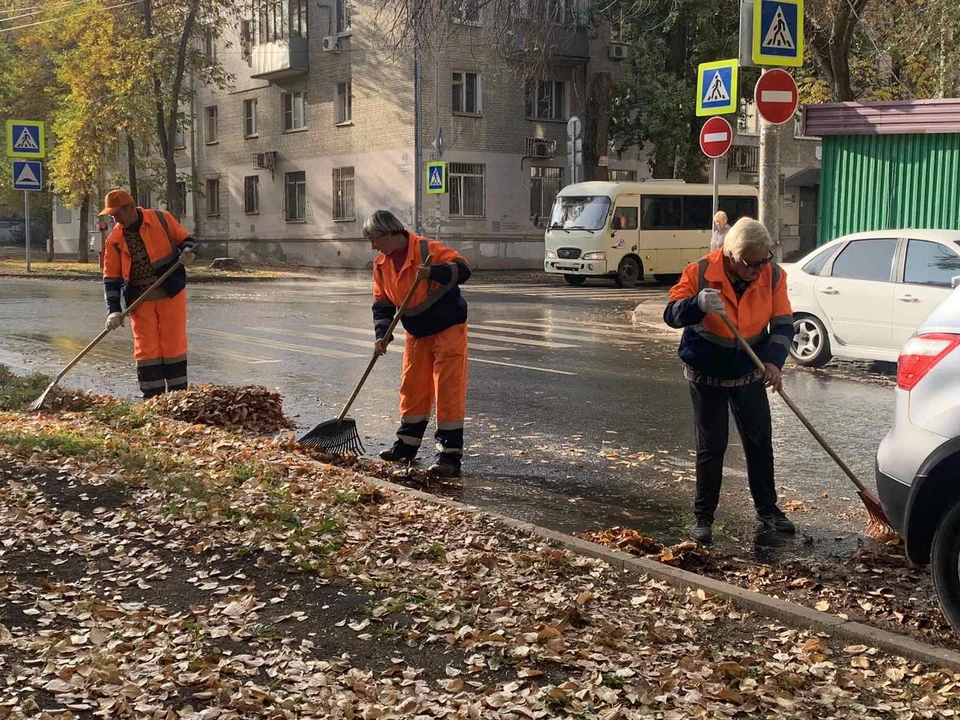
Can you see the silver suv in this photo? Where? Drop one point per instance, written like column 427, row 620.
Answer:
column 918, row 463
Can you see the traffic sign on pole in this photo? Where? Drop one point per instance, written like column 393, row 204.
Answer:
column 776, row 96
column 436, row 178
column 716, row 137
column 27, row 175
column 717, row 88
column 778, row 32
column 25, row 139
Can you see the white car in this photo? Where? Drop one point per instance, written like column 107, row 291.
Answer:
column 862, row 296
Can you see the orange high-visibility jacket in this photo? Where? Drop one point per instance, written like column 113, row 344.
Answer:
column 762, row 314
column 436, row 305
column 164, row 243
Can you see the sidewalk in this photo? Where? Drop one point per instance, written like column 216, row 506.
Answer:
column 157, row 565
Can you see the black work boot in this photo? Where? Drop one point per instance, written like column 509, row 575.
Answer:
column 702, row 531
column 774, row 519
column 400, row 452
column 446, row 465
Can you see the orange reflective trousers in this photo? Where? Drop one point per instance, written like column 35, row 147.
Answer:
column 435, row 367
column 160, row 344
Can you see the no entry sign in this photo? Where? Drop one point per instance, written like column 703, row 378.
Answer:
column 716, row 137
column 776, row 96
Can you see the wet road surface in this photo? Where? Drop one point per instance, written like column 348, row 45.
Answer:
column 578, row 418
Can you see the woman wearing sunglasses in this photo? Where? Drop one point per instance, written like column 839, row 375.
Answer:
column 741, row 281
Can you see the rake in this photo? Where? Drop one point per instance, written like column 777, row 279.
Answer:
column 878, row 526
column 38, row 403
column 340, row 436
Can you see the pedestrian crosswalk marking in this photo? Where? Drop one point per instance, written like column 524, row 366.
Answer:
column 545, row 331
column 261, row 342
column 592, row 328
column 778, row 35
column 26, row 141
column 522, row 367
column 522, row 341
column 399, row 339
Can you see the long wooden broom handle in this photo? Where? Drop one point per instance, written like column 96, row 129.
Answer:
column 796, row 411
column 393, row 324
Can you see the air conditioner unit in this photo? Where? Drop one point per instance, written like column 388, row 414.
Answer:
column 331, row 43
column 619, row 52
column 541, row 148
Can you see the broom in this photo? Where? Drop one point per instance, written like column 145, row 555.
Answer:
column 340, row 436
column 878, row 526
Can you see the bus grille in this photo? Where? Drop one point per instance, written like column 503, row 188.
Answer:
column 568, row 253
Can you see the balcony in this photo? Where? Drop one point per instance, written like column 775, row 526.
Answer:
column 568, row 46
column 280, row 59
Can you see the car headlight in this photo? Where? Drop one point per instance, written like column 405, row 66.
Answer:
column 595, row 256
column 551, row 254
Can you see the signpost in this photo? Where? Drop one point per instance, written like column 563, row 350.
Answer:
column 776, row 96
column 778, row 32
column 436, row 178
column 25, row 139
column 717, row 88
column 575, row 148
column 716, row 137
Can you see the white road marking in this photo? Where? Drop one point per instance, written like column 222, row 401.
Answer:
column 569, row 326
column 521, row 341
column 545, row 331
column 322, row 352
column 522, row 367
column 401, row 340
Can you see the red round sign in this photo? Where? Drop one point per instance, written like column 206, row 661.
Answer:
column 776, row 96
column 716, row 137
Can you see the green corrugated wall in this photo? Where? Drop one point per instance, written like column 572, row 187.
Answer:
column 875, row 182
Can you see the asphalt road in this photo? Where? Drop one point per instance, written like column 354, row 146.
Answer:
column 578, row 417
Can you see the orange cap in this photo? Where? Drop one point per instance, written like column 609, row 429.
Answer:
column 115, row 200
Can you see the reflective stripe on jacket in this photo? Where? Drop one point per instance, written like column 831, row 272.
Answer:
column 163, row 237
column 762, row 314
column 436, row 305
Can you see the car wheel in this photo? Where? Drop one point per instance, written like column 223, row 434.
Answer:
column 666, row 279
column 811, row 344
column 628, row 273
column 575, row 280
column 945, row 564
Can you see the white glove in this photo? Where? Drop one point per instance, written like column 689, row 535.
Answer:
column 187, row 257
column 114, row 320
column 709, row 301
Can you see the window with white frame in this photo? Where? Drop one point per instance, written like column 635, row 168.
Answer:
column 545, row 183
column 295, row 196
column 343, row 194
column 179, row 140
column 343, row 10
column 182, row 194
column 275, row 20
column 466, row 93
column 294, row 110
column 547, row 100
column 213, row 196
column 210, row 44
column 251, row 194
column 466, row 11
column 250, row 118
column 212, row 127
column 64, row 214
column 467, row 190
column 622, row 175
column 344, row 104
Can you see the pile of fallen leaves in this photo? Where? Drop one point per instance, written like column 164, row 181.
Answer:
column 687, row 555
column 252, row 408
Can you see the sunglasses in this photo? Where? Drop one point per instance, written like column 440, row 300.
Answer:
column 759, row 265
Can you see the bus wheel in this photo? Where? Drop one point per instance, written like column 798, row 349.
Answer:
column 666, row 279
column 575, row 280
column 628, row 273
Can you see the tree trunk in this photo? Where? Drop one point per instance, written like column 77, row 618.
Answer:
column 132, row 168
column 596, row 126
column 83, row 248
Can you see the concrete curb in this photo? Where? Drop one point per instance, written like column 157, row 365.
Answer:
column 774, row 608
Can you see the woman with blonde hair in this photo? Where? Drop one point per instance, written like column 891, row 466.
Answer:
column 720, row 227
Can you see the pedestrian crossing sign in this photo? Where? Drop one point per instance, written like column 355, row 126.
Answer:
column 778, row 33
column 717, row 88
column 25, row 139
column 436, row 178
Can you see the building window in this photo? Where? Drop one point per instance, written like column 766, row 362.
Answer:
column 250, row 118
column 343, row 194
column 466, row 11
column 344, row 106
column 212, row 124
column 275, row 20
column 251, row 195
column 545, row 183
column 213, row 196
column 295, row 196
column 179, row 141
column 547, row 100
column 618, row 28
column 144, row 197
column 466, row 93
column 210, row 45
column 295, row 110
column 466, row 190
column 182, row 194
column 343, row 16
column 622, row 175
column 64, row 215
column 561, row 11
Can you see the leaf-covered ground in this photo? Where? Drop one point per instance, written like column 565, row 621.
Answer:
column 152, row 568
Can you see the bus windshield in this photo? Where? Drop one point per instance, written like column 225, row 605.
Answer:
column 580, row 213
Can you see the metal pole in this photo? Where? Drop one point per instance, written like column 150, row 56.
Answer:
column 716, row 187
column 417, row 122
column 26, row 223
column 770, row 183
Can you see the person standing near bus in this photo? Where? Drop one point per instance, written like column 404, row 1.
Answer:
column 721, row 225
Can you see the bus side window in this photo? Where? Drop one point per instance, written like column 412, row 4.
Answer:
column 624, row 218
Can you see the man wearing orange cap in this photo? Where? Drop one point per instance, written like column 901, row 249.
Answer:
column 142, row 247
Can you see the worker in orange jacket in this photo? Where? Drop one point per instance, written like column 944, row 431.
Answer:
column 142, row 247
column 435, row 325
column 741, row 281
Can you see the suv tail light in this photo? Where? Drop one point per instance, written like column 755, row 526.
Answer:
column 921, row 354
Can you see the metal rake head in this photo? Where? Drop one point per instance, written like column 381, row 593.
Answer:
column 337, row 437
